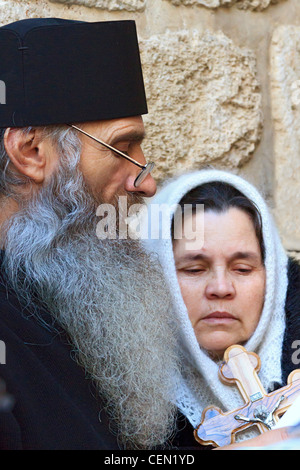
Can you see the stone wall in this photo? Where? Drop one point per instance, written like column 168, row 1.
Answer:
column 223, row 85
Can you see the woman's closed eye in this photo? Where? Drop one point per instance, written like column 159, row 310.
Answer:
column 194, row 269
column 243, row 269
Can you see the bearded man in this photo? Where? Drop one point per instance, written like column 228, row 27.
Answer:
column 85, row 322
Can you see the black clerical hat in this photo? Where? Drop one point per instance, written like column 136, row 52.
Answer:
column 55, row 71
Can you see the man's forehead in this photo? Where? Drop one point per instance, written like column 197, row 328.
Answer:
column 118, row 130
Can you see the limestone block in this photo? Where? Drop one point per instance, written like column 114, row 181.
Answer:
column 206, row 3
column 255, row 5
column 204, row 101
column 14, row 11
column 128, row 5
column 285, row 92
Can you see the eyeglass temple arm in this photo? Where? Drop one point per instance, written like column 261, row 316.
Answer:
column 118, row 152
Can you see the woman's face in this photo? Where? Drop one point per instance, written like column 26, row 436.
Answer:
column 223, row 281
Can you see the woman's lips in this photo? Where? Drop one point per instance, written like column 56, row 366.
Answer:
column 219, row 317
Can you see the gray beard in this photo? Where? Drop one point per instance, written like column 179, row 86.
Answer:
column 110, row 298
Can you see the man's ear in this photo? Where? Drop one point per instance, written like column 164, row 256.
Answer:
column 26, row 152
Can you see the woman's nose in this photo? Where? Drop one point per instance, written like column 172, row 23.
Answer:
column 220, row 286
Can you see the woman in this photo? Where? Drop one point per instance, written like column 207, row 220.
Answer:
column 236, row 286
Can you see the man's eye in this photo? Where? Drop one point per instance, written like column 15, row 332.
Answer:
column 123, row 147
column 123, row 150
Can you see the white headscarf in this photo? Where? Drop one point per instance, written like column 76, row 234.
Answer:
column 202, row 387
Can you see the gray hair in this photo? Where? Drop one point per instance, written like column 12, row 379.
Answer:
column 61, row 136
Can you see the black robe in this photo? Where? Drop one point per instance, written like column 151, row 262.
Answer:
column 55, row 405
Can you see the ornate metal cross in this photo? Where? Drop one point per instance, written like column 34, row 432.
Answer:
column 263, row 410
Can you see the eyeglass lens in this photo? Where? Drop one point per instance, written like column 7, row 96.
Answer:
column 143, row 174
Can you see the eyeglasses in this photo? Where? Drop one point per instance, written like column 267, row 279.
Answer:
column 146, row 169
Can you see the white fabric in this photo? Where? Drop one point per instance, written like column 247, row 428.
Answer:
column 291, row 417
column 267, row 339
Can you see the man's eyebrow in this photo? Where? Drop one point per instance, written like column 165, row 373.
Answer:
column 132, row 136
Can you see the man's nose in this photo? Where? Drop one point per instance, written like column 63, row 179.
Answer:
column 146, row 189
column 220, row 286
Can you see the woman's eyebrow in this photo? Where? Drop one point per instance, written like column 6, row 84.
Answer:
column 244, row 255
column 237, row 255
column 193, row 257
